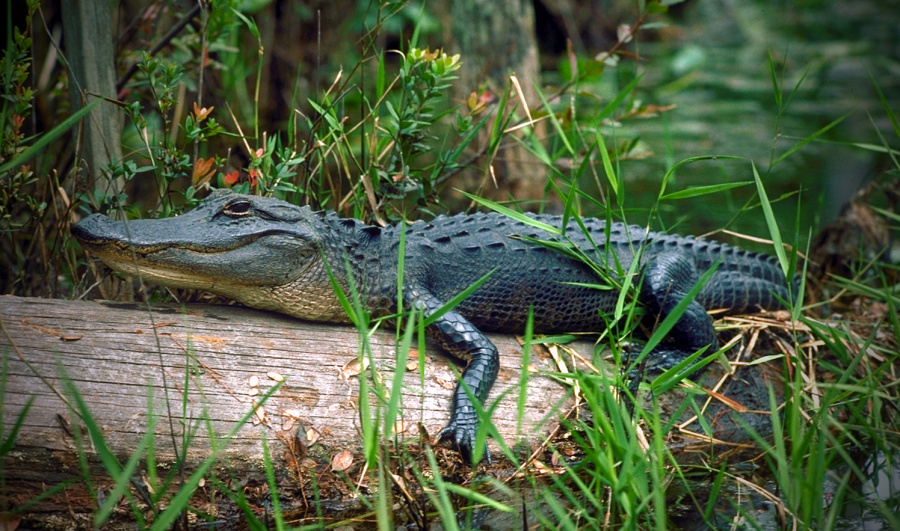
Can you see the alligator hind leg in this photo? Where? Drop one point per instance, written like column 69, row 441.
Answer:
column 739, row 292
column 667, row 279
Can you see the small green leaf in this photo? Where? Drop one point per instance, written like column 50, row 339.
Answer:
column 703, row 190
column 592, row 67
column 671, row 172
column 611, row 174
column 379, row 78
column 251, row 25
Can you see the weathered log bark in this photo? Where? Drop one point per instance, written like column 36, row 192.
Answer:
column 118, row 354
column 195, row 364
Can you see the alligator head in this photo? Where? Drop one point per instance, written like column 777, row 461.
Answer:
column 250, row 248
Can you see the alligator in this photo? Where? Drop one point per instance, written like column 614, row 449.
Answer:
column 568, row 275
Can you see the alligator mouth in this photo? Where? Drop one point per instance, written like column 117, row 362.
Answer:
column 148, row 271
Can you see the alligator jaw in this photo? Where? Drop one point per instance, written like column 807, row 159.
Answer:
column 133, row 263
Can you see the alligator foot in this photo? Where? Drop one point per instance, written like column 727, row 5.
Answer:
column 660, row 360
column 460, row 434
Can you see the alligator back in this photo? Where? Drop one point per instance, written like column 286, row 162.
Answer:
column 566, row 294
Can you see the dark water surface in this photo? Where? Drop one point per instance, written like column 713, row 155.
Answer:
column 713, row 65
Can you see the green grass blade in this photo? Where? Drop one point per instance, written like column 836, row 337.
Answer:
column 393, row 405
column 556, row 124
column 383, row 504
column 180, row 501
column 774, row 231
column 452, row 303
column 611, row 175
column 49, row 137
column 478, row 497
column 887, row 109
column 109, row 461
column 662, row 331
column 273, row 486
column 776, row 89
column 439, row 496
column 123, row 480
column 10, row 441
column 107, row 458
column 669, row 174
column 796, row 147
column 524, row 373
column 703, row 190
column 620, row 97
column 348, row 307
column 517, row 216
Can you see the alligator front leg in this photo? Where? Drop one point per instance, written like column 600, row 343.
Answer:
column 459, row 337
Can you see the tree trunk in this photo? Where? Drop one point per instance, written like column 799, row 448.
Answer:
column 87, row 31
column 496, row 40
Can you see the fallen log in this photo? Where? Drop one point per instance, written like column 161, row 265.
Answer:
column 196, row 370
column 208, row 367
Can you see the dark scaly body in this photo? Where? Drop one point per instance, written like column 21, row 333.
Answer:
column 269, row 254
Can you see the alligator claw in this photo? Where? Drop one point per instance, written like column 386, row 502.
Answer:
column 661, row 359
column 460, row 434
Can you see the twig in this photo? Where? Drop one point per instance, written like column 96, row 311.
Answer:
column 176, row 29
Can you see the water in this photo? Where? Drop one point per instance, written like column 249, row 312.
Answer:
column 716, row 71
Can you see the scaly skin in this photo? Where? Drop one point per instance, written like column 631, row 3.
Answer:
column 273, row 255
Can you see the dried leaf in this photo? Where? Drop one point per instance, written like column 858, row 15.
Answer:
column 733, row 404
column 260, row 417
column 444, row 383
column 312, row 435
column 341, row 461
column 9, row 521
column 353, row 368
column 540, row 467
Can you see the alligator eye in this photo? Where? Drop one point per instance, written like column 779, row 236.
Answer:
column 238, row 209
